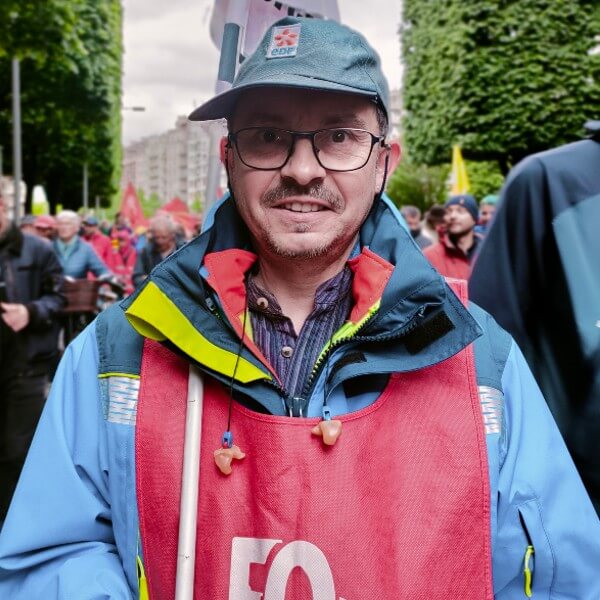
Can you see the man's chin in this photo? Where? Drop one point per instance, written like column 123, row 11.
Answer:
column 301, row 249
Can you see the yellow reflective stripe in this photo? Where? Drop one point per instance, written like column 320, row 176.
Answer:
column 347, row 330
column 155, row 316
column 142, row 581
column 130, row 375
column 527, row 571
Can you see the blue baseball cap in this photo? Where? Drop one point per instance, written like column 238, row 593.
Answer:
column 90, row 220
column 308, row 53
column 467, row 201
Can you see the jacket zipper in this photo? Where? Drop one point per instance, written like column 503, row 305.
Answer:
column 414, row 321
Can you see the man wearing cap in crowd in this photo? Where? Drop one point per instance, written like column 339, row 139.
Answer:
column 27, row 224
column 92, row 235
column 457, row 245
column 364, row 434
column 45, row 226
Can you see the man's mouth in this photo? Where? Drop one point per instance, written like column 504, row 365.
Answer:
column 301, row 207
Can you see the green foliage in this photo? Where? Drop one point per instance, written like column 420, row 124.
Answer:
column 418, row 185
column 197, row 205
column 484, row 178
column 499, row 77
column 70, row 52
column 149, row 204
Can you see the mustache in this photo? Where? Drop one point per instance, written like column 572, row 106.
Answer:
column 290, row 189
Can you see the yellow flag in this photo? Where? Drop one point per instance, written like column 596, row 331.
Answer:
column 458, row 176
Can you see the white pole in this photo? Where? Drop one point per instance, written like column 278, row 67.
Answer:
column 188, row 516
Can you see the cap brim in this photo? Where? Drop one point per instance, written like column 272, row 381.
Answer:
column 223, row 105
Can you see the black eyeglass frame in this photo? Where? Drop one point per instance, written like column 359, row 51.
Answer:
column 232, row 141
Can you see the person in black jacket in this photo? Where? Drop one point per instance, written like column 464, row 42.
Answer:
column 30, row 300
column 538, row 274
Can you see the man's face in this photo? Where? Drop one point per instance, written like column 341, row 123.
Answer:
column 458, row 220
column 66, row 228
column 413, row 222
column 303, row 210
column 486, row 213
column 163, row 238
column 89, row 230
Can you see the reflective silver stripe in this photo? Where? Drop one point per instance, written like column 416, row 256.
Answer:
column 492, row 406
column 122, row 399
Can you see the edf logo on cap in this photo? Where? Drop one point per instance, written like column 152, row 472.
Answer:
column 284, row 41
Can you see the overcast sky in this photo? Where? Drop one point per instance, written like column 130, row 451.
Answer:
column 170, row 63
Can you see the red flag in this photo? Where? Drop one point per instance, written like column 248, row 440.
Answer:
column 175, row 205
column 131, row 208
column 180, row 212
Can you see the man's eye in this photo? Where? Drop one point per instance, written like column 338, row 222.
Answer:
column 339, row 136
column 268, row 136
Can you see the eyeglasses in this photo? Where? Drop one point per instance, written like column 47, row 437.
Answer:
column 338, row 149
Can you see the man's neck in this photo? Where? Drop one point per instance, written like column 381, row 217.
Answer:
column 464, row 241
column 295, row 283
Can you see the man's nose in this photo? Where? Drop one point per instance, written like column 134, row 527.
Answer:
column 303, row 166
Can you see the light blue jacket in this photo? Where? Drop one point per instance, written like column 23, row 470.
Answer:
column 72, row 530
column 80, row 260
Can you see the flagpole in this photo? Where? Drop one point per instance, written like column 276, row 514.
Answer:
column 235, row 22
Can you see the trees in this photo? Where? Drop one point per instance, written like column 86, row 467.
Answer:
column 503, row 78
column 70, row 52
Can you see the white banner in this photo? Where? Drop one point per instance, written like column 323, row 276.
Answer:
column 261, row 14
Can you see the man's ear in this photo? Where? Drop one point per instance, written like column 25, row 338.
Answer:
column 223, row 149
column 394, row 155
column 389, row 157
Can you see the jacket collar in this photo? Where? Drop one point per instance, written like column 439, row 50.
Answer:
column 394, row 286
column 12, row 240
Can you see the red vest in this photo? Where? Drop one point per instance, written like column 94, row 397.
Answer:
column 398, row 508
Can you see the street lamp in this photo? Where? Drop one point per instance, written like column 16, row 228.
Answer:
column 134, row 108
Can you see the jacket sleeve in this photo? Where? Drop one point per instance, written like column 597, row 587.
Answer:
column 541, row 502
column 50, row 302
column 509, row 266
column 57, row 541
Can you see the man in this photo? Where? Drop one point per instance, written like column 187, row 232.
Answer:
column 30, row 280
column 163, row 242
column 76, row 256
column 304, row 297
column 27, row 224
column 487, row 210
column 453, row 254
column 45, row 226
column 122, row 258
column 412, row 216
column 92, row 235
column 538, row 273
column 434, row 222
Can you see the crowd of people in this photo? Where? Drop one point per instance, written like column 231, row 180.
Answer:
column 298, row 389
column 36, row 257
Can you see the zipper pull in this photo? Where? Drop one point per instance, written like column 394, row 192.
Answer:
column 527, row 573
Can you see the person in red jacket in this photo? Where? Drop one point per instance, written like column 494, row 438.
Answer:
column 453, row 254
column 99, row 242
column 122, row 257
